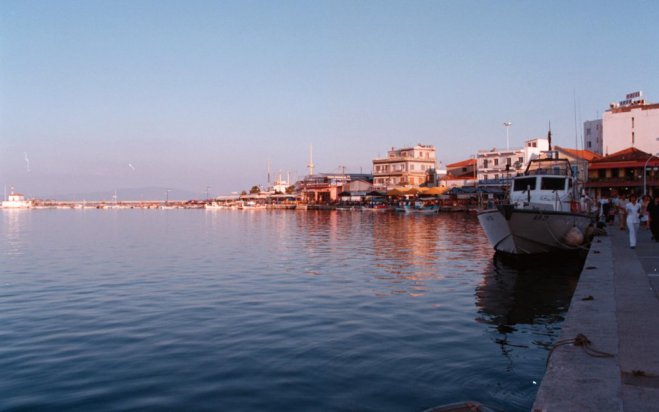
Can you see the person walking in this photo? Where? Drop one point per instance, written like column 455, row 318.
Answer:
column 633, row 209
column 653, row 213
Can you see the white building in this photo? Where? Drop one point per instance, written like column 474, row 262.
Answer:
column 16, row 201
column 498, row 164
column 631, row 123
column 592, row 132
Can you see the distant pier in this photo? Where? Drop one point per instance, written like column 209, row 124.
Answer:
column 616, row 307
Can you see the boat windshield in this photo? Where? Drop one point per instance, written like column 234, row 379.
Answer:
column 552, row 183
column 523, row 183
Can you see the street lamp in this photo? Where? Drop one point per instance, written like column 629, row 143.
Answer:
column 507, row 125
column 645, row 172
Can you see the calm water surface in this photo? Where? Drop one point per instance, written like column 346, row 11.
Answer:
column 268, row 311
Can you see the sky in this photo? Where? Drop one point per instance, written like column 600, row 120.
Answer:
column 99, row 95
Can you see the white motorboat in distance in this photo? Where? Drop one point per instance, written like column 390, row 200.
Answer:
column 544, row 214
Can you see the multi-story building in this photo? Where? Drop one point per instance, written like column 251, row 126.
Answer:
column 404, row 167
column 497, row 164
column 592, row 132
column 629, row 123
column 578, row 159
column 460, row 174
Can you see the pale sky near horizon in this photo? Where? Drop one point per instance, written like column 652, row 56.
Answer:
column 98, row 95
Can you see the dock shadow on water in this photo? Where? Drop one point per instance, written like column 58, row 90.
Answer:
column 524, row 302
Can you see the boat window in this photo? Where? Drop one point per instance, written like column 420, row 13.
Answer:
column 552, row 183
column 524, row 182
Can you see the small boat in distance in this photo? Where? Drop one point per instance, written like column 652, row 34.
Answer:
column 544, row 213
column 420, row 207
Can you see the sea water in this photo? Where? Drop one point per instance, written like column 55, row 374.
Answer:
column 267, row 311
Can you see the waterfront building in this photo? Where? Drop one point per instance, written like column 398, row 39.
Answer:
column 622, row 172
column 16, row 201
column 460, row 174
column 408, row 166
column 629, row 123
column 326, row 187
column 593, row 139
column 579, row 160
column 496, row 166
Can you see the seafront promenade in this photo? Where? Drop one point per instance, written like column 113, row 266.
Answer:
column 616, row 307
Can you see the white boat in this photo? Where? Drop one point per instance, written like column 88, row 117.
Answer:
column 420, row 208
column 251, row 205
column 16, row 201
column 215, row 206
column 544, row 213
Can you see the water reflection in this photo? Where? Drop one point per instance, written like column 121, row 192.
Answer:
column 511, row 296
column 14, row 222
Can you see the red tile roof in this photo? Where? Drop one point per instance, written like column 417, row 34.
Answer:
column 464, row 163
column 630, row 157
column 579, row 154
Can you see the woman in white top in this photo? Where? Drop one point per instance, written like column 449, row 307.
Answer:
column 633, row 209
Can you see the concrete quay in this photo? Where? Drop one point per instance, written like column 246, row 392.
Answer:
column 616, row 306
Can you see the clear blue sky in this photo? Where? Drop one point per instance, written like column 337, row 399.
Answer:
column 197, row 93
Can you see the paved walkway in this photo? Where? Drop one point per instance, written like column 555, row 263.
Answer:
column 616, row 306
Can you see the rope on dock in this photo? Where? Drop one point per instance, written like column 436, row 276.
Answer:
column 585, row 344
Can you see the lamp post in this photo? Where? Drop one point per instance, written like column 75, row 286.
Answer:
column 507, row 125
column 645, row 172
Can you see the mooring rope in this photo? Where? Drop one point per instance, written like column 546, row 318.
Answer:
column 585, row 344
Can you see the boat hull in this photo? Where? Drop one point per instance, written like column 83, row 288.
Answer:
column 527, row 232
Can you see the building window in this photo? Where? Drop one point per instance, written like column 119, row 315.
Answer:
column 590, row 144
column 520, row 159
column 411, row 166
column 588, row 132
column 633, row 138
column 485, row 177
column 485, row 164
column 632, row 122
column 496, row 162
column 509, row 161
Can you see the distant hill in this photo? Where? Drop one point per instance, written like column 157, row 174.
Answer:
column 140, row 193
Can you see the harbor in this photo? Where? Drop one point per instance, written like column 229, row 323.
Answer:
column 399, row 206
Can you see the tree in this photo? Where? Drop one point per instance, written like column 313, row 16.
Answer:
column 254, row 190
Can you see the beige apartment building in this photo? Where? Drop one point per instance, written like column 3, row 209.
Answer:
column 408, row 166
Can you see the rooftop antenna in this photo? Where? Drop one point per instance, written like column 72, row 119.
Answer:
column 549, row 135
column 310, row 166
column 268, row 171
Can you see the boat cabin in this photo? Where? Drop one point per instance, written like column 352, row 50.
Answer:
column 547, row 184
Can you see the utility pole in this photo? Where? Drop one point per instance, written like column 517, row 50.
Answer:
column 507, row 125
